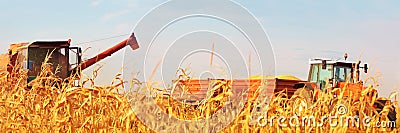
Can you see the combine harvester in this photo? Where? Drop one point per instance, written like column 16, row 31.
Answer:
column 324, row 75
column 29, row 57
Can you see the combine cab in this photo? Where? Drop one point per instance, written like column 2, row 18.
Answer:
column 30, row 57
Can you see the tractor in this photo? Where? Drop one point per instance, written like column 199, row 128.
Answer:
column 67, row 60
column 327, row 74
column 339, row 77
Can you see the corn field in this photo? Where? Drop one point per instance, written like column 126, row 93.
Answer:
column 56, row 105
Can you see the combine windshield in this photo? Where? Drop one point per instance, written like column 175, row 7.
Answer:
column 57, row 61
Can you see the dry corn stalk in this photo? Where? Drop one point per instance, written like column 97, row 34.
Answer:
column 52, row 106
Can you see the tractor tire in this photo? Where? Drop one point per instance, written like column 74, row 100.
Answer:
column 305, row 93
column 380, row 104
column 392, row 114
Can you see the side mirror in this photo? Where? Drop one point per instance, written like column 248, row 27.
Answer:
column 365, row 68
column 324, row 64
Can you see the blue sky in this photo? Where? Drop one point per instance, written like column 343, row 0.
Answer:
column 298, row 30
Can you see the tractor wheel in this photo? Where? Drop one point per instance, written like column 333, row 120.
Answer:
column 392, row 114
column 380, row 104
column 306, row 94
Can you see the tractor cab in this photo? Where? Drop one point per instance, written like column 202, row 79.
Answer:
column 327, row 73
